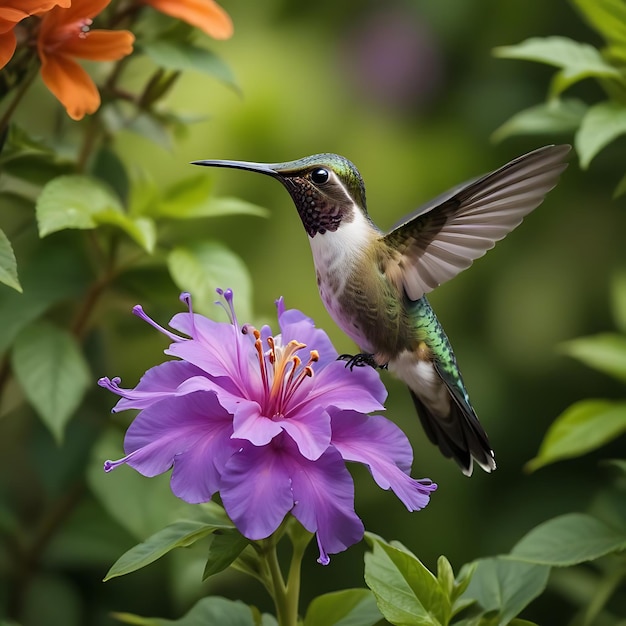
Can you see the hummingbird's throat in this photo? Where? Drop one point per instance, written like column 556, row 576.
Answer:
column 317, row 212
column 282, row 372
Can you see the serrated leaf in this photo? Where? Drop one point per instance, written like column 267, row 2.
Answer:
column 224, row 548
column 180, row 534
column 201, row 267
column 208, row 611
column 576, row 60
column 584, row 426
column 406, row 591
column 184, row 56
column 605, row 352
column 567, row 540
column 506, row 586
column 349, row 607
column 8, row 264
column 52, row 372
column 603, row 123
column 73, row 202
column 556, row 116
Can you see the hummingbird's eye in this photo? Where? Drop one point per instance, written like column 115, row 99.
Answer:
column 320, row 176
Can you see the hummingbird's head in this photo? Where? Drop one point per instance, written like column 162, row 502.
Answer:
column 327, row 189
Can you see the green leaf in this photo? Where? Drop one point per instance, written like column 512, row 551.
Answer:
column 108, row 167
column 141, row 229
column 52, row 372
column 576, row 60
column 445, row 575
column 191, row 198
column 208, row 611
column 506, row 586
column 605, row 352
column 602, row 123
column 142, row 506
column 406, row 591
column 181, row 534
column 84, row 202
column 349, row 607
column 620, row 190
column 201, row 267
column 224, row 548
column 568, row 540
column 8, row 264
column 608, row 17
column 184, row 56
column 556, row 116
column 73, row 202
column 55, row 272
column 584, row 426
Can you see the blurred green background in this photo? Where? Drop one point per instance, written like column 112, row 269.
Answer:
column 409, row 91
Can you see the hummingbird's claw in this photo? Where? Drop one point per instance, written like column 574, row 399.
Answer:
column 359, row 360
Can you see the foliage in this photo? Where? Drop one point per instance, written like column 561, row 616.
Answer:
column 86, row 233
column 595, row 125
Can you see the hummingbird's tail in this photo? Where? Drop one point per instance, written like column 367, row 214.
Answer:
column 458, row 435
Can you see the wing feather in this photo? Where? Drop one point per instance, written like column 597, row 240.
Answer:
column 438, row 241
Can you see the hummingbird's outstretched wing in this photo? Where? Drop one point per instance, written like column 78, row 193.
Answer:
column 442, row 238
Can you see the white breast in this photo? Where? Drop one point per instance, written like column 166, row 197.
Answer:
column 335, row 254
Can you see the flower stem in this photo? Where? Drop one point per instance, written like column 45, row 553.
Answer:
column 286, row 596
column 19, row 94
column 300, row 543
column 278, row 587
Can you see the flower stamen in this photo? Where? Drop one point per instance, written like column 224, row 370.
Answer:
column 141, row 314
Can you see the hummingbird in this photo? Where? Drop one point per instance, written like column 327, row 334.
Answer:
column 374, row 284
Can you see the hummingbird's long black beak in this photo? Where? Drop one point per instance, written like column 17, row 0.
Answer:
column 261, row 168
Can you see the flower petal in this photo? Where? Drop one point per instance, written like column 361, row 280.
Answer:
column 256, row 489
column 161, row 381
column 173, row 427
column 359, row 389
column 384, row 448
column 16, row 10
column 197, row 471
column 249, row 424
column 234, row 364
column 7, row 47
column 296, row 325
column 71, row 84
column 324, row 495
column 203, row 14
column 99, row 45
column 310, row 430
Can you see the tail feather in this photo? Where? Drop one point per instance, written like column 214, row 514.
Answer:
column 458, row 436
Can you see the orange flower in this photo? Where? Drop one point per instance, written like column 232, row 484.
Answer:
column 14, row 11
column 65, row 35
column 206, row 15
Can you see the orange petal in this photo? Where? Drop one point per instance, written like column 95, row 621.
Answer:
column 100, row 45
column 71, row 84
column 7, row 47
column 203, row 14
column 19, row 9
column 59, row 18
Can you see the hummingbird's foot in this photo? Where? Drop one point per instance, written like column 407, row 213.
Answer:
column 358, row 360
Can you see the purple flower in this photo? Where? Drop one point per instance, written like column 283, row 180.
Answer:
column 266, row 421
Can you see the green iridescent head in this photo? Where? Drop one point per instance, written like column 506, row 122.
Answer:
column 324, row 187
